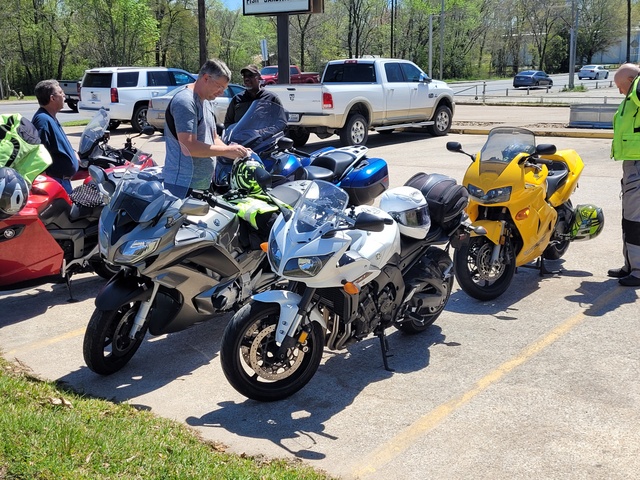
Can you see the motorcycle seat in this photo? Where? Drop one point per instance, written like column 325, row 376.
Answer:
column 315, row 172
column 558, row 174
column 335, row 160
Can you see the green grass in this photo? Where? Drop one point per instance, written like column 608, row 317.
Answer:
column 13, row 99
column 75, row 123
column 50, row 433
column 576, row 88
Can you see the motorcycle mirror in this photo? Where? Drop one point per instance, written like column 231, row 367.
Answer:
column 285, row 143
column 457, row 148
column 191, row 206
column 369, row 222
column 263, row 178
column 97, row 174
column 454, row 147
column 546, row 149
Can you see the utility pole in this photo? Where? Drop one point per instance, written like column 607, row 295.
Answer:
column 202, row 32
column 441, row 40
column 628, row 31
column 430, row 45
column 572, row 43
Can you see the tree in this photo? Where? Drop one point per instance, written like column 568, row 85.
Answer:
column 118, row 32
column 601, row 24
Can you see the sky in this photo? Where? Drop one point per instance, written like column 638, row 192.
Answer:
column 233, row 4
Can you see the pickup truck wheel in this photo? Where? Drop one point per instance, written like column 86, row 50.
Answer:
column 300, row 136
column 442, row 121
column 139, row 119
column 73, row 105
column 355, row 131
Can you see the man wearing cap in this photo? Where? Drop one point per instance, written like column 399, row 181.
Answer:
column 242, row 101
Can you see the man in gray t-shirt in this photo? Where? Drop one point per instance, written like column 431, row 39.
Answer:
column 190, row 132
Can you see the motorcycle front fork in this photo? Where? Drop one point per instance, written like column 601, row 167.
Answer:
column 143, row 311
column 495, row 254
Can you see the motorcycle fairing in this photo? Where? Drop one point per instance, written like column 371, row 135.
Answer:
column 287, row 321
column 32, row 253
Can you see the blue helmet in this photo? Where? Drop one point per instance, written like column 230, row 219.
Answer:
column 513, row 150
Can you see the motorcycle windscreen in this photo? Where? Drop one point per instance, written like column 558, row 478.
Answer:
column 320, row 210
column 505, row 143
column 259, row 128
column 93, row 133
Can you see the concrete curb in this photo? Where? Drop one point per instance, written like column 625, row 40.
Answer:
column 541, row 132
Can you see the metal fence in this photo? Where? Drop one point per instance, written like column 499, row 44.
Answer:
column 598, row 92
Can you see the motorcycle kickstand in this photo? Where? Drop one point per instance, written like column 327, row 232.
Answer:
column 384, row 345
column 543, row 268
column 67, row 281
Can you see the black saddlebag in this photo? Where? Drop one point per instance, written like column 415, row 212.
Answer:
column 446, row 198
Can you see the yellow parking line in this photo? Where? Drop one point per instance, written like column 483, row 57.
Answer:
column 406, row 438
column 44, row 343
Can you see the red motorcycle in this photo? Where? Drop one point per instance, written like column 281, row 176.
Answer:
column 94, row 148
column 53, row 236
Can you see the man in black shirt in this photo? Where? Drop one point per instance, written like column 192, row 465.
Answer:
column 242, row 101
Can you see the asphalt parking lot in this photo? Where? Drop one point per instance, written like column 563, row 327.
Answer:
column 541, row 382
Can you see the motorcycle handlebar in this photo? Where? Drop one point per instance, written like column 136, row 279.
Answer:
column 215, row 201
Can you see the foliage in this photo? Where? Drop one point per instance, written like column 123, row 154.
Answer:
column 62, row 38
column 49, row 433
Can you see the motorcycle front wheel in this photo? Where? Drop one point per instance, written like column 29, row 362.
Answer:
column 248, row 355
column 107, row 346
column 474, row 272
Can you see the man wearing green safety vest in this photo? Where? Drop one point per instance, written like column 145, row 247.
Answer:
column 626, row 147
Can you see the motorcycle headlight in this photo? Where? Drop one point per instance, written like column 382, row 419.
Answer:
column 497, row 195
column 275, row 255
column 305, row 266
column 135, row 250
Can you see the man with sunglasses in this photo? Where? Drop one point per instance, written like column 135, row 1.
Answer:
column 241, row 102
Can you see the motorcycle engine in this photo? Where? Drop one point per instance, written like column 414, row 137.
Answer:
column 372, row 312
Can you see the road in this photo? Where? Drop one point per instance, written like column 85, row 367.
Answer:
column 540, row 382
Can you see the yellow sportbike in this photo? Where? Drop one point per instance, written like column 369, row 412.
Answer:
column 519, row 194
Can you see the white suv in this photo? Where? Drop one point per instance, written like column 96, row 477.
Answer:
column 125, row 91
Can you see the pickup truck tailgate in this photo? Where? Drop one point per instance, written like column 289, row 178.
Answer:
column 299, row 99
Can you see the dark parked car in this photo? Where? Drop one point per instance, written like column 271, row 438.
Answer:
column 532, row 78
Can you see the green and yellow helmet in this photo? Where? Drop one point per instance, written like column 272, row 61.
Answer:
column 243, row 175
column 588, row 222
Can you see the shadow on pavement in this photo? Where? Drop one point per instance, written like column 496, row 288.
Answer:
column 341, row 377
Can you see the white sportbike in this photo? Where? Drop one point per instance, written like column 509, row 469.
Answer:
column 352, row 271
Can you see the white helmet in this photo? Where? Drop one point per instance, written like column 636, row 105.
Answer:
column 409, row 208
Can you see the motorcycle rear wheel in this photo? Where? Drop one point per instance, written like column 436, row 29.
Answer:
column 557, row 248
column 248, row 357
column 411, row 326
column 474, row 273
column 107, row 346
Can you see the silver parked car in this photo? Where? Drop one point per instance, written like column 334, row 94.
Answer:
column 158, row 105
column 594, row 72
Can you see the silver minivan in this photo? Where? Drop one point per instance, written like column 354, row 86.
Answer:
column 125, row 91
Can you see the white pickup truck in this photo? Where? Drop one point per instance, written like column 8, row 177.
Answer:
column 359, row 95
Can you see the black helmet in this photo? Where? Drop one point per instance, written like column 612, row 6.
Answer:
column 14, row 192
